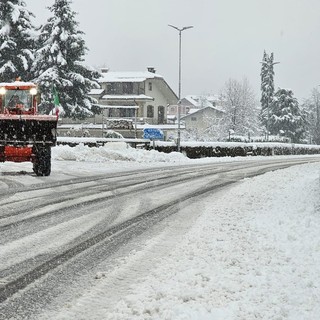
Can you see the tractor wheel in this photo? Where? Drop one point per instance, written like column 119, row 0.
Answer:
column 42, row 162
column 2, row 155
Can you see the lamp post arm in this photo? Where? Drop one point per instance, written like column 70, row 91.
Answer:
column 170, row 25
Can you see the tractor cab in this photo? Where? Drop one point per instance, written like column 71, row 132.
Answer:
column 18, row 98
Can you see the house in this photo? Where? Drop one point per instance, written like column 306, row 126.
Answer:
column 204, row 119
column 201, row 101
column 135, row 96
column 192, row 103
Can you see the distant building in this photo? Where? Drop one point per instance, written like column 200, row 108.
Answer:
column 192, row 103
column 204, row 118
column 134, row 95
column 201, row 101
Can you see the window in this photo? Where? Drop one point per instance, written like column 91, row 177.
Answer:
column 121, row 112
column 161, row 114
column 127, row 88
column 141, row 89
column 127, row 113
column 150, row 86
column 150, row 111
column 120, row 88
column 138, row 88
column 111, row 88
column 193, row 118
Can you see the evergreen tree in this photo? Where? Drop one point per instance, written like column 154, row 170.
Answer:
column 267, row 88
column 59, row 62
column 287, row 118
column 264, row 81
column 16, row 40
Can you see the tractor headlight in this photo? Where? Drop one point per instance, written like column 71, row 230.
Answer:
column 3, row 91
column 33, row 91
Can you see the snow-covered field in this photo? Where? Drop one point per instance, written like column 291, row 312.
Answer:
column 255, row 254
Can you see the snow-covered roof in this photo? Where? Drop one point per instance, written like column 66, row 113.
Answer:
column 117, row 107
column 17, row 84
column 127, row 76
column 193, row 111
column 96, row 91
column 126, row 97
column 201, row 101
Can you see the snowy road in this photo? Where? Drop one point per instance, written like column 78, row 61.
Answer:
column 58, row 233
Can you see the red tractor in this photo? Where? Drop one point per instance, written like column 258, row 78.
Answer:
column 25, row 135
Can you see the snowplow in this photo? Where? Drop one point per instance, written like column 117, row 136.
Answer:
column 25, row 134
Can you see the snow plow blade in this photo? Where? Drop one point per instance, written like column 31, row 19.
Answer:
column 22, row 130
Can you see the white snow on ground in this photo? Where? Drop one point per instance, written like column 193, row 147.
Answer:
column 116, row 151
column 254, row 254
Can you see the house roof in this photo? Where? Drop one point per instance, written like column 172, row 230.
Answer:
column 200, row 101
column 126, row 97
column 96, row 91
column 127, row 76
column 192, row 110
column 102, row 106
column 201, row 110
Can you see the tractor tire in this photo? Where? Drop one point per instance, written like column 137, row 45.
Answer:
column 42, row 162
column 2, row 155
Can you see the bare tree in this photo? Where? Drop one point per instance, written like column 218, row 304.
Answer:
column 241, row 107
column 311, row 107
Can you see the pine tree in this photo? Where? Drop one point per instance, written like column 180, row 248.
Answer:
column 264, row 81
column 59, row 62
column 16, row 40
column 267, row 88
column 287, row 118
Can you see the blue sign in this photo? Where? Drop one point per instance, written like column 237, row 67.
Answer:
column 151, row 133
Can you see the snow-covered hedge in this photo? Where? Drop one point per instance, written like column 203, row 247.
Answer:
column 195, row 150
column 198, row 149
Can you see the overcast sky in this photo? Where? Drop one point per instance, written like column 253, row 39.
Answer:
column 227, row 41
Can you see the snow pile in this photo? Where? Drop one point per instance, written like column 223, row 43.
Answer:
column 115, row 151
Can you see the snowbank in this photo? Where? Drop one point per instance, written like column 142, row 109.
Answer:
column 115, row 151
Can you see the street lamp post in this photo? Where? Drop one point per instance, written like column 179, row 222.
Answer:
column 179, row 95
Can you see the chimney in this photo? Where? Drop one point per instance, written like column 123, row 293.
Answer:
column 151, row 69
column 104, row 70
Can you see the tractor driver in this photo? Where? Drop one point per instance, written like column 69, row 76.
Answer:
column 15, row 103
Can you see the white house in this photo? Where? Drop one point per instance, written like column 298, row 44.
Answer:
column 204, row 120
column 192, row 103
column 142, row 95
